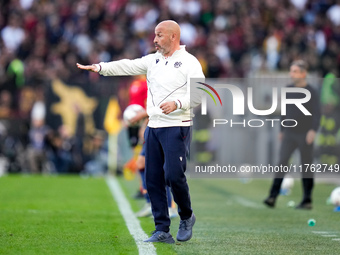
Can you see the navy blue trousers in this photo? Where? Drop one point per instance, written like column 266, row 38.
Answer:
column 146, row 195
column 165, row 163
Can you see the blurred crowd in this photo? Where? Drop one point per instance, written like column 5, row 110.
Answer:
column 230, row 37
column 41, row 40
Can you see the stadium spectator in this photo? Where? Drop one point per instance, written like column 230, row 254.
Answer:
column 61, row 153
column 235, row 28
column 97, row 163
column 333, row 13
column 36, row 150
column 13, row 34
column 5, row 104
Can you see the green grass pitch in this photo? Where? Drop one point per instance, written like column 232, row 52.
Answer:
column 74, row 215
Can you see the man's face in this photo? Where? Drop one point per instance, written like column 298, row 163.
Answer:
column 297, row 74
column 162, row 39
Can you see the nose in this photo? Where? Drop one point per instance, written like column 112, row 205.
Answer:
column 155, row 39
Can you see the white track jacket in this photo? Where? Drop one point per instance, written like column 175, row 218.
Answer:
column 168, row 80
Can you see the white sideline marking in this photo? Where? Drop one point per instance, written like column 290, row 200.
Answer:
column 130, row 219
column 320, row 232
column 245, row 202
column 327, row 234
column 3, row 166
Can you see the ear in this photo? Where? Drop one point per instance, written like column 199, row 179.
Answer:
column 173, row 37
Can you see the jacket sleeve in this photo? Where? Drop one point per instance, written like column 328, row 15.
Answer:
column 193, row 97
column 125, row 67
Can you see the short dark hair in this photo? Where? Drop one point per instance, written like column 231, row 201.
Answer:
column 301, row 64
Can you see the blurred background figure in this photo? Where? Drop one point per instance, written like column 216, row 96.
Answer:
column 5, row 104
column 60, row 151
column 300, row 137
column 97, row 163
column 328, row 151
column 37, row 146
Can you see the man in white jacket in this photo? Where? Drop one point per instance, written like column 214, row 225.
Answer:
column 167, row 137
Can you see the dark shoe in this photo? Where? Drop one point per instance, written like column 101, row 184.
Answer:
column 304, row 206
column 185, row 229
column 270, row 202
column 161, row 237
column 138, row 195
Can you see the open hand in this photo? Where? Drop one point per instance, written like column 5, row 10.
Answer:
column 91, row 68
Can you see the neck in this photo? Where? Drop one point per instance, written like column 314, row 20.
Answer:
column 172, row 51
column 301, row 83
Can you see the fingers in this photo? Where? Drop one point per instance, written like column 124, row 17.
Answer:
column 134, row 120
column 164, row 108
column 166, row 111
column 167, row 107
column 82, row 66
column 310, row 137
column 87, row 67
